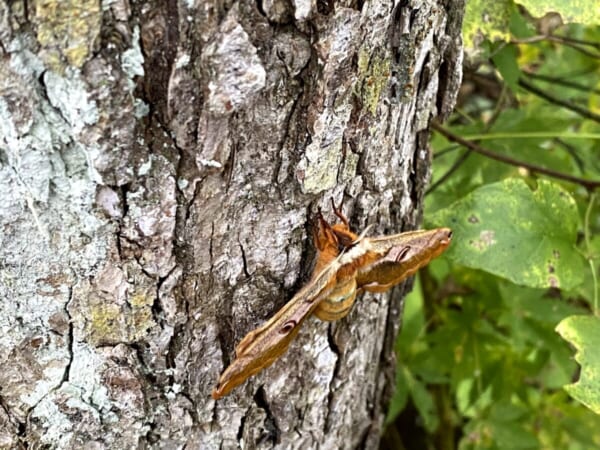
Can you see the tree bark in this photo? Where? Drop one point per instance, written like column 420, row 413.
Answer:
column 160, row 164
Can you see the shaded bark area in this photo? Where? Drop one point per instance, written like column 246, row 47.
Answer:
column 161, row 163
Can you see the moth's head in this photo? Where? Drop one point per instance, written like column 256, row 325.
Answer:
column 344, row 236
column 332, row 238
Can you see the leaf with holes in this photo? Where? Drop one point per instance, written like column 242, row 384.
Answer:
column 583, row 332
column 500, row 221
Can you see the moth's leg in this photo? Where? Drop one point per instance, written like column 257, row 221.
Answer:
column 337, row 210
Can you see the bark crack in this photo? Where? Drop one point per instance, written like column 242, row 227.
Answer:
column 240, row 432
column 281, row 143
column 64, row 378
column 157, row 310
column 70, row 340
column 336, row 368
column 229, row 165
column 210, row 246
column 244, row 260
column 273, row 432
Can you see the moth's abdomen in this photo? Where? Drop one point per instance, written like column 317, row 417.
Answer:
column 338, row 302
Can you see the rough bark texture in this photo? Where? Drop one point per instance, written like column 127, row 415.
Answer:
column 160, row 163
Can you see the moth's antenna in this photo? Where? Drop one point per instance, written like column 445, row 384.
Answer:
column 322, row 220
column 338, row 211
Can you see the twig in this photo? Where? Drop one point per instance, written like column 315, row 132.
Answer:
column 459, row 161
column 572, row 151
column 561, row 40
column 571, row 84
column 557, row 101
column 571, row 40
column 588, row 184
column 448, row 149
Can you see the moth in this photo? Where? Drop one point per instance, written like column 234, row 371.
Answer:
column 346, row 265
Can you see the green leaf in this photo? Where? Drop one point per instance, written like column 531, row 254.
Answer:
column 400, row 396
column 577, row 11
column 505, row 60
column 512, row 436
column 512, row 231
column 583, row 332
column 424, row 403
column 413, row 321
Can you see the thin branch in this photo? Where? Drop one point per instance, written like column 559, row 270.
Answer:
column 448, row 149
column 572, row 151
column 572, row 40
column 561, row 40
column 588, row 184
column 555, row 80
column 555, row 38
column 459, row 161
column 557, row 101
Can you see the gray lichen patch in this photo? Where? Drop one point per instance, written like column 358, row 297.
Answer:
column 50, row 234
column 37, row 365
column 132, row 59
column 303, row 9
column 103, row 388
column 112, row 144
column 69, row 95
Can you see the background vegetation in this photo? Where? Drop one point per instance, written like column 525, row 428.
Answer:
column 500, row 346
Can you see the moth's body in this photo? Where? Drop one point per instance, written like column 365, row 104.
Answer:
column 378, row 264
column 346, row 265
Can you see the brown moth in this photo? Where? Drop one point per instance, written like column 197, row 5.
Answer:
column 346, row 265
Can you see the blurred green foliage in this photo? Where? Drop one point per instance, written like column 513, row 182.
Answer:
column 481, row 363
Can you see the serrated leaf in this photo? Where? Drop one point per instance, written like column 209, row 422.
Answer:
column 512, row 231
column 583, row 332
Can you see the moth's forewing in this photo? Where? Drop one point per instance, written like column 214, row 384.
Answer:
column 400, row 256
column 262, row 346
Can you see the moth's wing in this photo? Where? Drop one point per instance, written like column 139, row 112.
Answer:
column 262, row 346
column 396, row 257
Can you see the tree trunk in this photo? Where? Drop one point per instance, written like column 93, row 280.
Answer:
column 160, row 164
